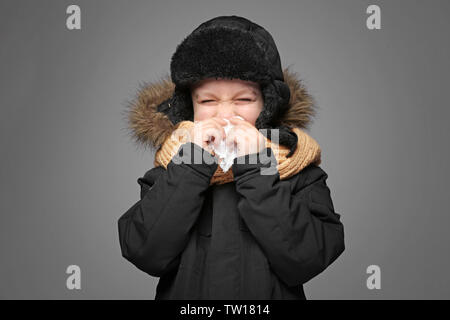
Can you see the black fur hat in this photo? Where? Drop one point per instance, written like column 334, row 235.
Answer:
column 231, row 47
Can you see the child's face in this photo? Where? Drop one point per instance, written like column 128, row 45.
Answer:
column 226, row 98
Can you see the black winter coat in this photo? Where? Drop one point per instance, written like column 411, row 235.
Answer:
column 257, row 237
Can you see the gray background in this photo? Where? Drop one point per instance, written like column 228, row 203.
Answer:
column 69, row 169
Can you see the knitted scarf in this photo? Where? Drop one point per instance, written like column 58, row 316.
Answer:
column 308, row 151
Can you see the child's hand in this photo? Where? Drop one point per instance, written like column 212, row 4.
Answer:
column 207, row 131
column 245, row 136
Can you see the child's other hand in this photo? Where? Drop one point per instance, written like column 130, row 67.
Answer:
column 245, row 136
column 207, row 131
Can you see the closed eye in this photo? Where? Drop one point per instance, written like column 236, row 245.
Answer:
column 205, row 101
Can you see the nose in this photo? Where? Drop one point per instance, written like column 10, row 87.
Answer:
column 226, row 111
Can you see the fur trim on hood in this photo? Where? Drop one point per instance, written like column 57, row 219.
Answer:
column 151, row 128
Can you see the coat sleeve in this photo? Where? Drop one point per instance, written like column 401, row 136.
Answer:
column 155, row 230
column 293, row 220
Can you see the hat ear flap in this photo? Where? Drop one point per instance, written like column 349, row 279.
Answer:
column 276, row 96
column 289, row 139
column 178, row 107
column 284, row 92
column 276, row 102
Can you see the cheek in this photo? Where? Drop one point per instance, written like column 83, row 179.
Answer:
column 251, row 114
column 203, row 113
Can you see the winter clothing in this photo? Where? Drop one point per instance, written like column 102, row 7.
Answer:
column 307, row 152
column 207, row 236
column 231, row 47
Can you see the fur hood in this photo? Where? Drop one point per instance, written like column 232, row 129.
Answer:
column 151, row 128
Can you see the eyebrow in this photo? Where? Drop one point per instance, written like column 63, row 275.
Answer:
column 238, row 93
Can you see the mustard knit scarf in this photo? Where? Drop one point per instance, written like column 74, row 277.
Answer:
column 308, row 151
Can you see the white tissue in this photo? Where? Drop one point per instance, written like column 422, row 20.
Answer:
column 226, row 155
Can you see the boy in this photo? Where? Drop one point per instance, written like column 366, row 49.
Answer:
column 238, row 234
